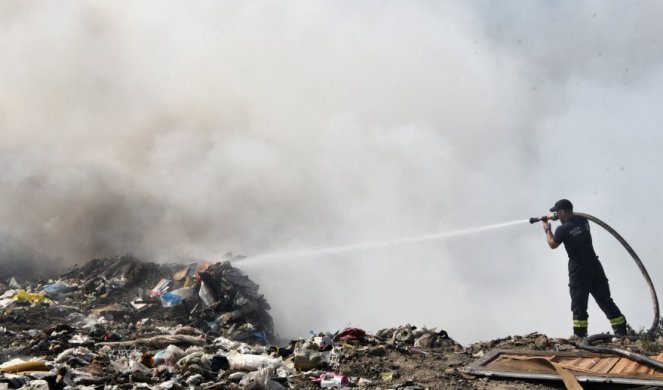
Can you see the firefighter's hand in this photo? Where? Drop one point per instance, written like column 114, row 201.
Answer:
column 546, row 226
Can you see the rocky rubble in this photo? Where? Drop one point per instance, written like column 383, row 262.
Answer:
column 118, row 323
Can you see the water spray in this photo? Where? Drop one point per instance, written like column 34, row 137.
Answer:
column 380, row 244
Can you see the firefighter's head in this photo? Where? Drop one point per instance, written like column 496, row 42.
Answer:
column 563, row 208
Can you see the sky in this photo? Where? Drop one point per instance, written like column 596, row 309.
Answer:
column 178, row 130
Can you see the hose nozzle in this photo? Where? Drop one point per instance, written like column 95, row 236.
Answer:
column 549, row 217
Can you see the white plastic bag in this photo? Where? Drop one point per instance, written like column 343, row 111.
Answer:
column 248, row 362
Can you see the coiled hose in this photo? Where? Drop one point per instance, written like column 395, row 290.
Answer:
column 587, row 343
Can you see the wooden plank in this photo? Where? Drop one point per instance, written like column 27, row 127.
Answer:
column 621, row 366
column 513, row 363
column 531, row 365
column 604, row 365
column 583, row 363
column 600, row 365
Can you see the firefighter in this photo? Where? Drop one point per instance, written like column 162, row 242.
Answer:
column 586, row 275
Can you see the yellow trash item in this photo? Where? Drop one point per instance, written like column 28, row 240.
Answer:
column 23, row 295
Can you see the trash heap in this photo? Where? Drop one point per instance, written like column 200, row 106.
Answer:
column 353, row 358
column 96, row 353
column 215, row 297
column 118, row 323
column 87, row 326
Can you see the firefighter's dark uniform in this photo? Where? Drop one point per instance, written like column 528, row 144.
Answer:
column 586, row 276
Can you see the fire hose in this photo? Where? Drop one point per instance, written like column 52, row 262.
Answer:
column 587, row 342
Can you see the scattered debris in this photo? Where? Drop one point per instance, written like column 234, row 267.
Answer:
column 119, row 323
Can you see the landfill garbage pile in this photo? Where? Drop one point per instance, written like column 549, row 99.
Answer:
column 94, row 352
column 118, row 323
column 145, row 355
column 214, row 297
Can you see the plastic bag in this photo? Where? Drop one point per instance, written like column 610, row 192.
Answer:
column 206, row 294
column 260, row 379
column 331, row 379
column 23, row 295
column 168, row 356
column 169, row 299
column 248, row 362
column 59, row 287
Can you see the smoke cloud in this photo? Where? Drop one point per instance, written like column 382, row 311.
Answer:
column 187, row 130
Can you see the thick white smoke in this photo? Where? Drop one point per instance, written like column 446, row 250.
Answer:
column 178, row 130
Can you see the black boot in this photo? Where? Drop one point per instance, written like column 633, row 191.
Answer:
column 620, row 330
column 580, row 331
column 619, row 325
